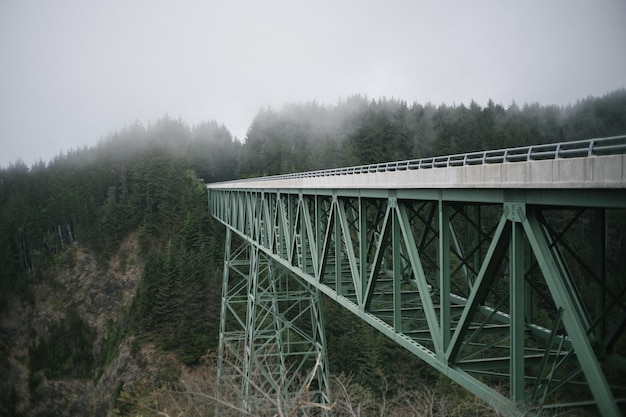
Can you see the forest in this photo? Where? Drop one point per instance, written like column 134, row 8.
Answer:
column 148, row 181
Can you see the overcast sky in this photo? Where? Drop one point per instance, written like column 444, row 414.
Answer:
column 73, row 71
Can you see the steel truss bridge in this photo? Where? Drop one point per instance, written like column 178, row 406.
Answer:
column 504, row 270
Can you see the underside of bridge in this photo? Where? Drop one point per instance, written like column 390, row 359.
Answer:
column 517, row 295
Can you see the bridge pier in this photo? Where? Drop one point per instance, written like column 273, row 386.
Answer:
column 272, row 351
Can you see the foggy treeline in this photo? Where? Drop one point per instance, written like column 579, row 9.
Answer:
column 360, row 131
column 147, row 180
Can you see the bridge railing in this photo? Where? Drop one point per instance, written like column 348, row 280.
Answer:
column 573, row 149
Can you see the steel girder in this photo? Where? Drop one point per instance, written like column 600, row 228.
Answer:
column 512, row 294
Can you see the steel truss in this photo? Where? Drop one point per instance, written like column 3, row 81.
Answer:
column 272, row 351
column 516, row 295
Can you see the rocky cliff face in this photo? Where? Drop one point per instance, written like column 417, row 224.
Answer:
column 97, row 295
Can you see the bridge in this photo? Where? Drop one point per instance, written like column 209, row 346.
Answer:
column 503, row 269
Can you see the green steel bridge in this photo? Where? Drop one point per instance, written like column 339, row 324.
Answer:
column 504, row 270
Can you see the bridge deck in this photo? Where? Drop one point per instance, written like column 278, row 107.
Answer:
column 596, row 163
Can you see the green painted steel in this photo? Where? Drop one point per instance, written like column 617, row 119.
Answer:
column 272, row 350
column 507, row 292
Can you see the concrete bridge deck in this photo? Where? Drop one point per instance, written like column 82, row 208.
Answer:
column 596, row 163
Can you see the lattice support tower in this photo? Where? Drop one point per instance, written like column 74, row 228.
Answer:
column 272, row 350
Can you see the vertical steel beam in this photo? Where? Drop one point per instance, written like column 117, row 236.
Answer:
column 397, row 269
column 335, row 237
column 598, row 228
column 444, row 277
column 362, row 239
column 517, row 304
column 476, row 229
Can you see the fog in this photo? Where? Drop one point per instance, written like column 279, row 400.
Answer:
column 73, row 71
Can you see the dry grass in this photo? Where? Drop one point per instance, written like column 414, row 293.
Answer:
column 194, row 395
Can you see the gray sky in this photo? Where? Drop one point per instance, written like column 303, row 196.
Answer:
column 73, row 71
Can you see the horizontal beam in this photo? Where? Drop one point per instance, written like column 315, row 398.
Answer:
column 503, row 362
column 560, row 198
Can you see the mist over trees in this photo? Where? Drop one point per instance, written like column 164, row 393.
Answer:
column 355, row 131
column 140, row 180
column 148, row 180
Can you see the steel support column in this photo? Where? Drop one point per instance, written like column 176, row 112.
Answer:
column 517, row 302
column 272, row 351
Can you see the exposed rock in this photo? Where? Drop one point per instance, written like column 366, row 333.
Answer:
column 98, row 295
column 64, row 398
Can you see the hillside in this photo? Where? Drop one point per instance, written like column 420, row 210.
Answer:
column 111, row 267
column 68, row 318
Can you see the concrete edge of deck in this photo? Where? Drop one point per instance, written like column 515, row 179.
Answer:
column 596, row 172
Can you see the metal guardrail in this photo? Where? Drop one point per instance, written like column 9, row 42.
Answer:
column 575, row 149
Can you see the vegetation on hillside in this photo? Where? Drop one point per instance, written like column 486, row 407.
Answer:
column 149, row 180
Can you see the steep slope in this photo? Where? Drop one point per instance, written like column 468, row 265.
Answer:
column 56, row 343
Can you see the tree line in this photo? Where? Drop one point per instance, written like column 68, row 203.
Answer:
column 355, row 131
